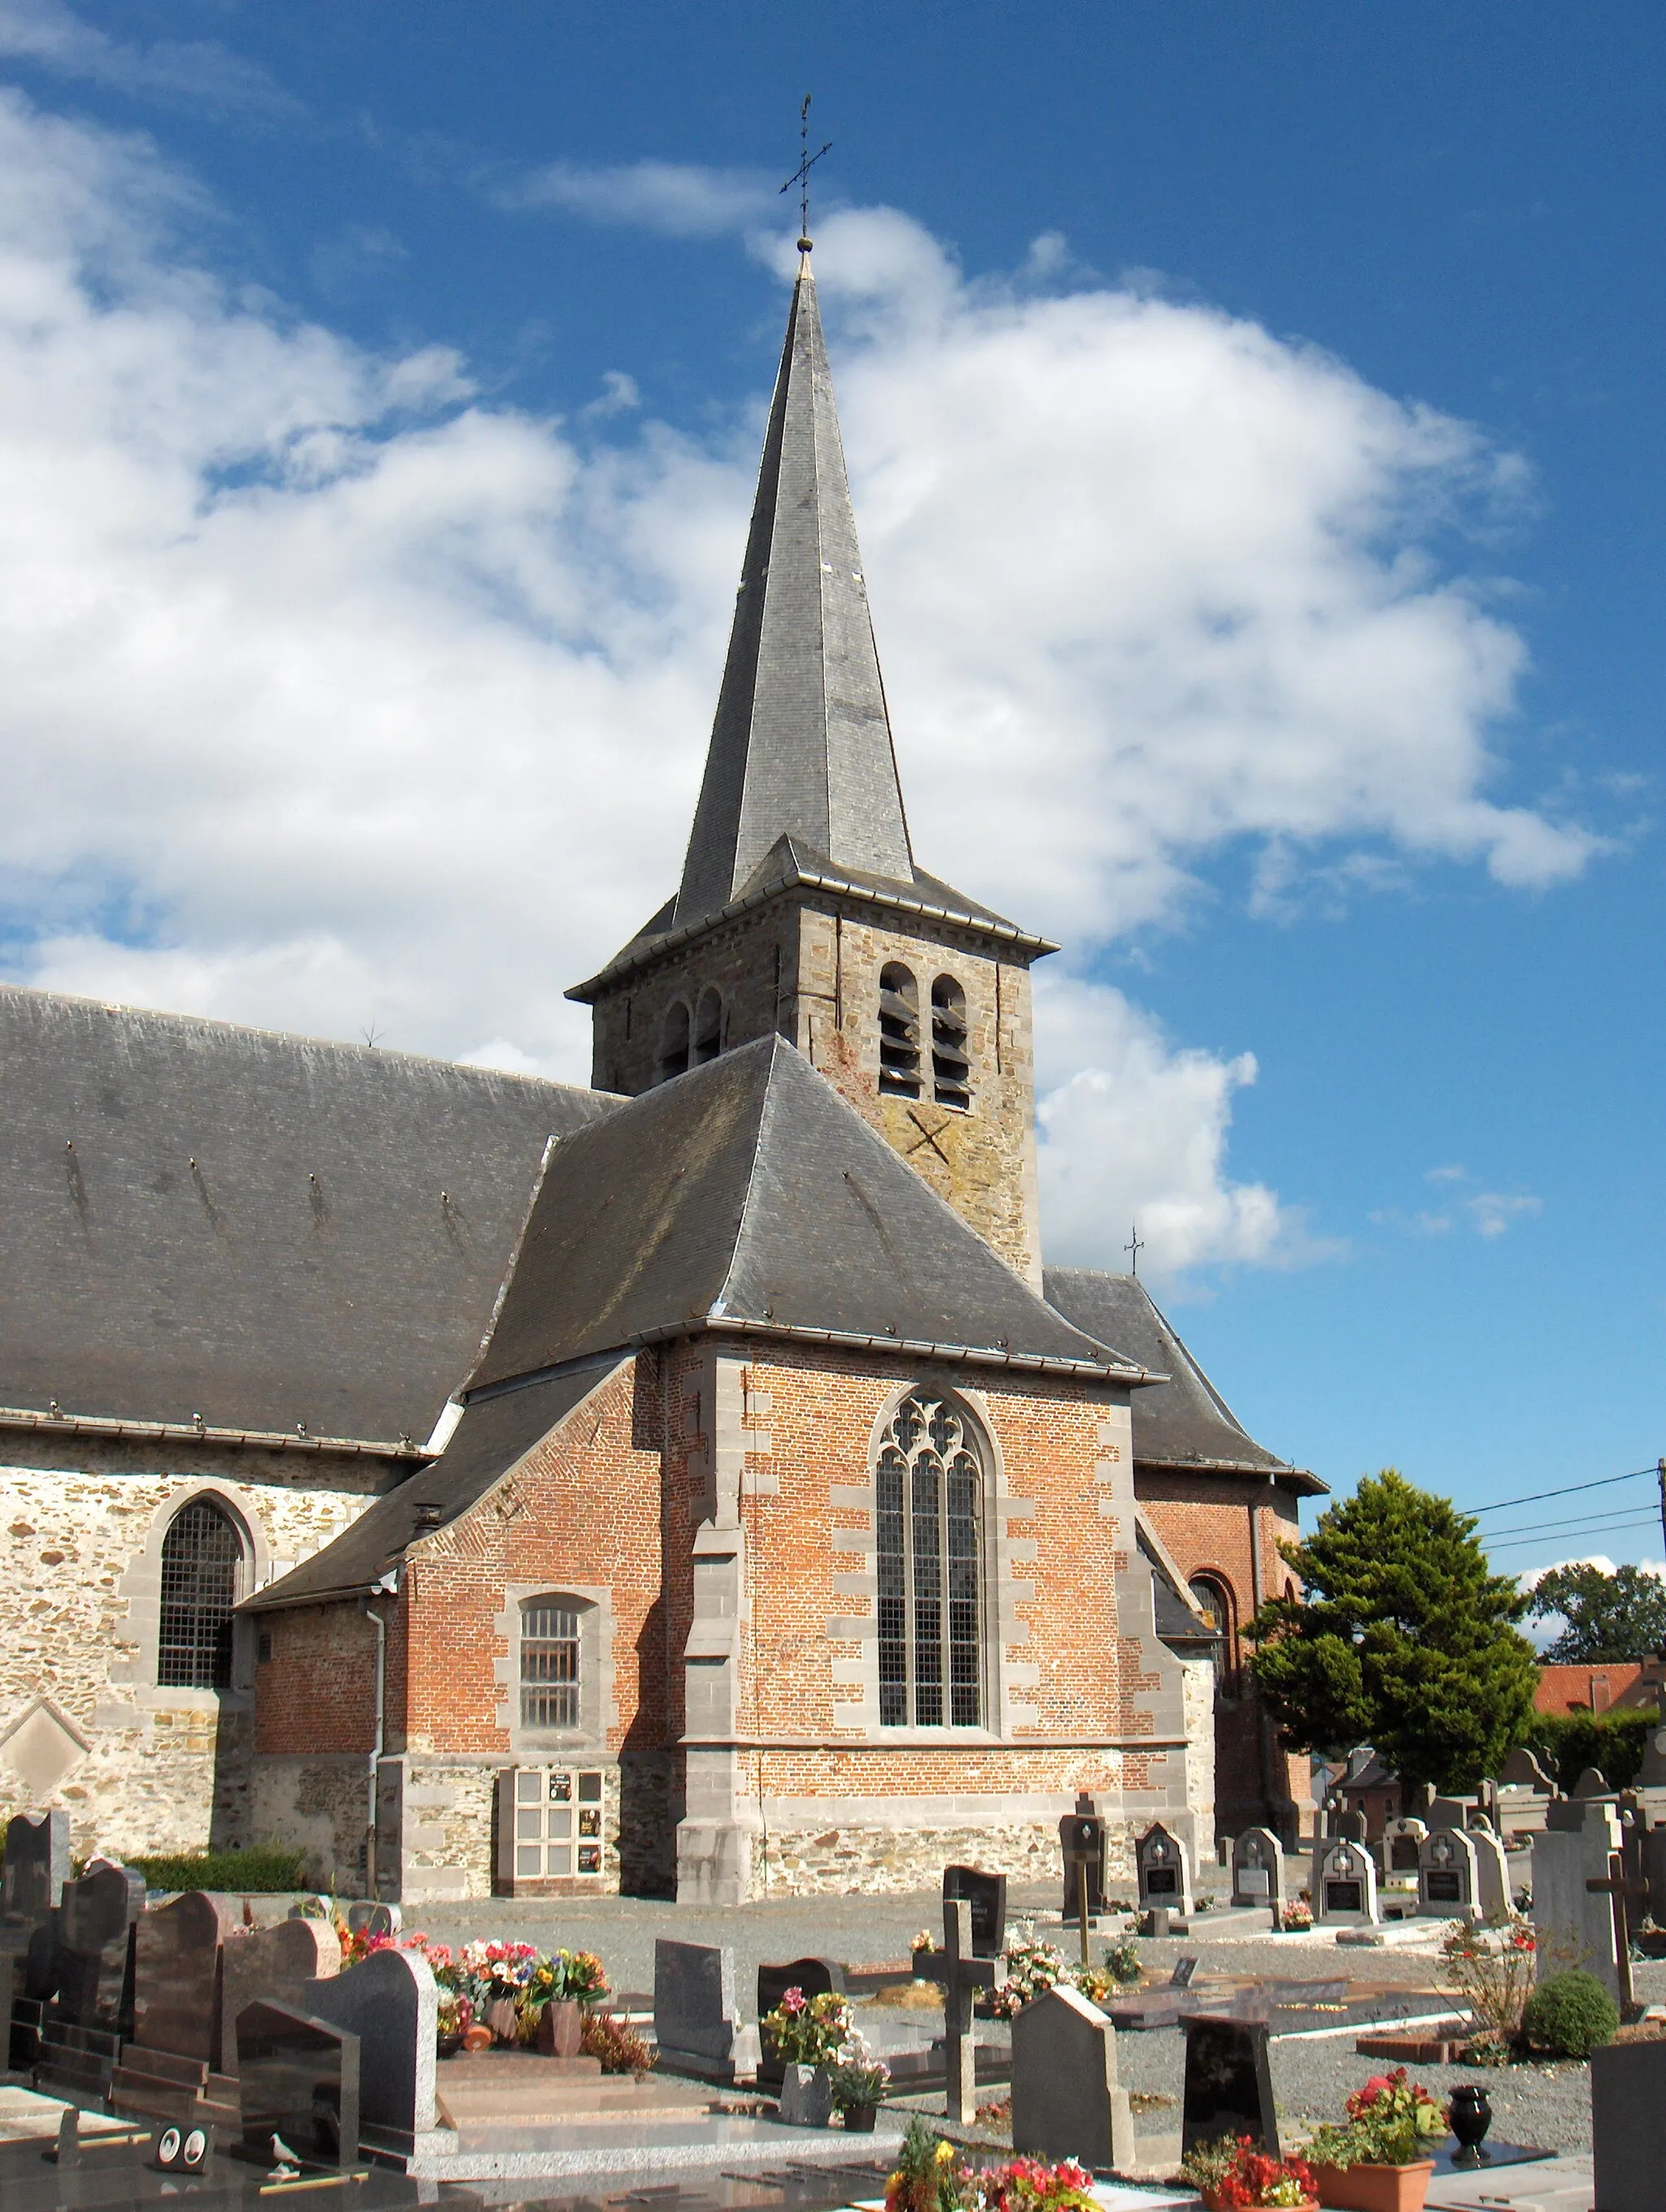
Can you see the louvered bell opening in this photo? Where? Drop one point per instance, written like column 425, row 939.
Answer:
column 947, row 1053
column 949, row 1021
column 894, row 1007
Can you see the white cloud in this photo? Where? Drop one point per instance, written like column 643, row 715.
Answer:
column 331, row 696
column 679, row 199
column 1447, row 1174
column 198, row 72
column 1494, row 1212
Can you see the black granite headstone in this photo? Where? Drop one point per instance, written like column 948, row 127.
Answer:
column 299, row 2081
column 37, row 1867
column 814, row 1976
column 987, row 1895
column 1083, row 1842
column 1229, row 2085
column 92, row 2011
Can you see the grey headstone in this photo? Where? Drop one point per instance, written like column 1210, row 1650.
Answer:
column 388, row 2001
column 1257, row 1868
column 1574, row 1925
column 1523, row 1770
column 1066, row 2100
column 1402, row 1838
column 176, row 1976
column 275, row 1963
column 1493, row 1896
column 368, row 1917
column 697, row 2018
column 298, row 2079
column 1344, row 1884
column 1447, row 1884
column 1651, row 1775
column 1591, row 1783
column 1229, row 2085
column 1628, row 2125
column 1163, row 1867
column 1349, row 1825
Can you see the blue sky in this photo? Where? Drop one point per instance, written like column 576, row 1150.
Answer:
column 1257, row 421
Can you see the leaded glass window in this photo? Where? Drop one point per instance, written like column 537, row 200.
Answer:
column 928, row 1509
column 548, row 1665
column 201, row 1557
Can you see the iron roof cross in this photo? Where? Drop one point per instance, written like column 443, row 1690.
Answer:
column 1136, row 1244
column 800, row 176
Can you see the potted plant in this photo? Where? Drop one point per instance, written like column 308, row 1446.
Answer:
column 812, row 2034
column 858, row 2083
column 1296, row 1918
column 1381, row 2157
column 930, row 2175
column 1031, row 2184
column 561, row 1985
column 1234, row 2175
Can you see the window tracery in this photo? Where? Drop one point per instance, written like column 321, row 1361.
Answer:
column 899, row 1032
column 928, row 1482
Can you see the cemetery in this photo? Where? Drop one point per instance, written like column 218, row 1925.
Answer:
column 299, row 2040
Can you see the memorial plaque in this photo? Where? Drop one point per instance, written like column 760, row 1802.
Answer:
column 987, row 1895
column 1344, row 1897
column 1442, row 1888
column 1163, row 1871
column 1184, row 1972
column 1229, row 2085
column 299, row 2079
column 814, row 1976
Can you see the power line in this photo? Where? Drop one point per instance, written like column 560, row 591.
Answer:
column 1515, row 1543
column 1504, row 1505
column 1540, row 1527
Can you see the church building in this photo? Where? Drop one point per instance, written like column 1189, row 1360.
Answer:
column 697, row 1484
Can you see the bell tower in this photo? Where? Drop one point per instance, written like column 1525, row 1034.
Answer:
column 801, row 909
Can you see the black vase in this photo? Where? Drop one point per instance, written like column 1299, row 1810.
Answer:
column 1471, row 2117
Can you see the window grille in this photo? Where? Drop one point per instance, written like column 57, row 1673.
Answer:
column 674, row 1042
column 548, row 1666
column 201, row 1557
column 708, row 1028
column 929, row 1490
column 952, row 1066
column 899, row 1032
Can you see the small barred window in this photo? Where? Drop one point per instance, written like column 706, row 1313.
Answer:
column 929, row 1499
column 952, row 1066
column 674, row 1042
column 548, row 1665
column 899, row 1032
column 202, row 1561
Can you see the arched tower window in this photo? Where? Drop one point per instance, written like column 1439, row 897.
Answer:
column 951, row 1067
column 708, row 1026
column 1215, row 1600
column 928, row 1483
column 674, row 1041
column 899, row 1032
column 201, row 1566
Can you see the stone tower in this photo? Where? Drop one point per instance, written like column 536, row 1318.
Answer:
column 801, row 909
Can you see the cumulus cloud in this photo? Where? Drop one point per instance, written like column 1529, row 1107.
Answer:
column 332, row 696
column 196, row 72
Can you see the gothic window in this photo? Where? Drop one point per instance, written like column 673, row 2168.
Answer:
column 201, row 1564
column 951, row 1067
column 708, row 1026
column 899, row 1032
column 1214, row 1601
column 674, row 1042
column 550, row 1663
column 929, row 1496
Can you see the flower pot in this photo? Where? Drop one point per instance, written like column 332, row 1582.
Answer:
column 1214, row 2202
column 807, row 2097
column 859, row 2119
column 1374, row 2188
column 503, row 2020
column 478, row 2038
column 561, row 2028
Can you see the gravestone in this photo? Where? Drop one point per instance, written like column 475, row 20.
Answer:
column 366, row 1917
column 1163, row 1867
column 1228, row 2084
column 1185, row 1973
column 1402, row 1840
column 37, row 1867
column 1257, row 1868
column 1448, row 1883
column 389, row 2001
column 816, row 1978
column 1345, row 1884
column 1651, row 1775
column 1591, row 1783
column 167, row 2069
column 1524, row 1771
column 299, row 2081
column 962, row 1977
column 1493, row 1896
column 1628, row 2125
column 274, row 1963
column 1349, row 1825
column 987, row 1895
column 1066, row 2102
column 696, row 2020
column 1084, row 1841
column 92, row 2009
column 1574, row 1925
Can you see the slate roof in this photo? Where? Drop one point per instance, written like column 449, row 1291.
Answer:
column 493, row 1436
column 748, row 1196
column 1181, row 1423
column 264, row 1230
column 802, row 740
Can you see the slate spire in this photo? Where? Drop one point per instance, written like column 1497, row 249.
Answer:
column 801, row 745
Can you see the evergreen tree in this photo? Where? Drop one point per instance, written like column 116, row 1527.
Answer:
column 1620, row 1615
column 1403, row 1638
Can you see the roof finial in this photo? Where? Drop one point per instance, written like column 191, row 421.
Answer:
column 800, row 176
column 1136, row 1245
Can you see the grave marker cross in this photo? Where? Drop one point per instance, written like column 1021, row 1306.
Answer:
column 1621, row 1891
column 962, row 1976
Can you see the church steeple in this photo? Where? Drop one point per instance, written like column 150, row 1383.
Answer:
column 801, row 745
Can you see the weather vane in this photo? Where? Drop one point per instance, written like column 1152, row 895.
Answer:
column 800, row 176
column 1136, row 1244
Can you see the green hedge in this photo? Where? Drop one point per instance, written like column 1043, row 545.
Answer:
column 265, row 1868
column 1567, row 1743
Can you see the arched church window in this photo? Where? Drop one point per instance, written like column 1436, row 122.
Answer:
column 202, row 1565
column 1214, row 1601
column 674, row 1041
column 899, row 1032
column 550, row 1663
column 708, row 1026
column 951, row 1067
column 929, row 1520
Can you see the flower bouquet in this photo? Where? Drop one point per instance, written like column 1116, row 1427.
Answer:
column 1031, row 2184
column 1381, row 2157
column 1296, row 1917
column 858, row 2083
column 1232, row 2175
column 812, row 2034
column 930, row 2175
column 1031, row 1968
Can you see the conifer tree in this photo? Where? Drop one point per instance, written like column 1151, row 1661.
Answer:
column 1401, row 1636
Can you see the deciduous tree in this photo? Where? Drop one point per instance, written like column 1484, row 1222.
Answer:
column 1620, row 1615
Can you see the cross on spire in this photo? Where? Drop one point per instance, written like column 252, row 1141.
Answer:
column 1136, row 1245
column 800, row 176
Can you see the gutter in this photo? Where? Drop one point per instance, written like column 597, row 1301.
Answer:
column 387, row 1586
column 628, row 961
column 55, row 1423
